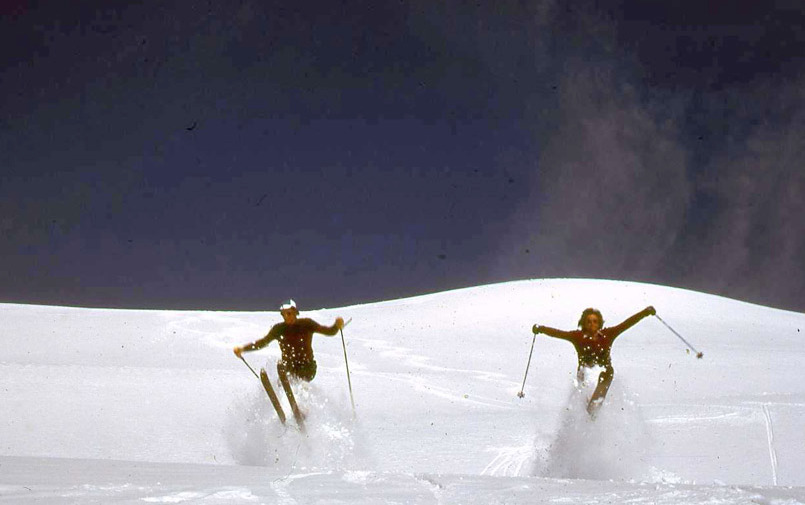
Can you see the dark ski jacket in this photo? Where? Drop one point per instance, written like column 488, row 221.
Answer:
column 294, row 339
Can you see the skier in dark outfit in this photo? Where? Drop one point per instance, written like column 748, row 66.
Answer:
column 593, row 346
column 295, row 336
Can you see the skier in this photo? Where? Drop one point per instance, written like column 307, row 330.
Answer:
column 295, row 337
column 593, row 345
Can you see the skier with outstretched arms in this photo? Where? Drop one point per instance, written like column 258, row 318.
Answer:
column 593, row 346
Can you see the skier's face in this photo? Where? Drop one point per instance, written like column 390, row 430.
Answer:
column 289, row 316
column 591, row 324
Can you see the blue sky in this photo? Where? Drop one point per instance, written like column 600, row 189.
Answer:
column 192, row 155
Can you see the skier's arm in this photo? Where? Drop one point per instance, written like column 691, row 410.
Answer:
column 329, row 330
column 552, row 332
column 272, row 335
column 631, row 321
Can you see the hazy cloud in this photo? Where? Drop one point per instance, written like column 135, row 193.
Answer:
column 753, row 244
column 698, row 187
column 611, row 189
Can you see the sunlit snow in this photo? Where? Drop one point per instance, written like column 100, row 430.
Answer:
column 128, row 406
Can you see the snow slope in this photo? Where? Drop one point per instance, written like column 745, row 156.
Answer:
column 117, row 406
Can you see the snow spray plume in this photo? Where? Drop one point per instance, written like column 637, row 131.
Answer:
column 615, row 445
column 333, row 440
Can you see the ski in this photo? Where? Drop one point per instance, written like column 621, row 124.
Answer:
column 286, row 385
column 275, row 401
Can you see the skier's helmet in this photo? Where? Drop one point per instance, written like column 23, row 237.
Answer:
column 289, row 305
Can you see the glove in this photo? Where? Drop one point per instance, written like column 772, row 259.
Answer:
column 535, row 329
column 651, row 311
column 339, row 322
column 237, row 350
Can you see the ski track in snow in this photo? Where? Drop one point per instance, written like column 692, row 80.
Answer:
column 427, row 386
column 404, row 357
column 411, row 360
column 770, row 438
column 509, row 461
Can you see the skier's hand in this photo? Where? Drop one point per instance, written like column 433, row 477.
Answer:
column 535, row 329
column 650, row 310
column 339, row 322
column 237, row 350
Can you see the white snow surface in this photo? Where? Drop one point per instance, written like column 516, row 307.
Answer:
column 135, row 406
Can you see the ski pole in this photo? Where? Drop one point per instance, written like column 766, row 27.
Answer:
column 349, row 381
column 698, row 354
column 521, row 394
column 250, row 368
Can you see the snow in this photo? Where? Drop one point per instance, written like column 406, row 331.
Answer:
column 127, row 406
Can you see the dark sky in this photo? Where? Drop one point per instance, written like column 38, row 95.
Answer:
column 227, row 155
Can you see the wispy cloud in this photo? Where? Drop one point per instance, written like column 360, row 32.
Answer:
column 623, row 188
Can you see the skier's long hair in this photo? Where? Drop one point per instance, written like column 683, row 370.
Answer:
column 589, row 311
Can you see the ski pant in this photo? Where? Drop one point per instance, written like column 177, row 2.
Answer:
column 303, row 371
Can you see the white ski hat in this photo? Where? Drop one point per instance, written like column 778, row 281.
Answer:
column 289, row 304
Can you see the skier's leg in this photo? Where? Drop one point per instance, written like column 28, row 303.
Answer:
column 604, row 381
column 580, row 378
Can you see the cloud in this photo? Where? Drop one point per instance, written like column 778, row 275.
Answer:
column 695, row 186
column 610, row 185
column 753, row 241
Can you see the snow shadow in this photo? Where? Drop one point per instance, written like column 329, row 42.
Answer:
column 332, row 439
column 613, row 445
